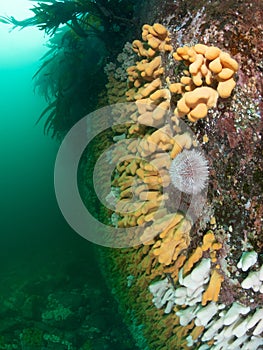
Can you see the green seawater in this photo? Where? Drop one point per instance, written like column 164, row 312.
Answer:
column 52, row 294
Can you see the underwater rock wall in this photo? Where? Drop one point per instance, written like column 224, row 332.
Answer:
column 196, row 84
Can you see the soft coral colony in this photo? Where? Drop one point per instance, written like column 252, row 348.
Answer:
column 179, row 275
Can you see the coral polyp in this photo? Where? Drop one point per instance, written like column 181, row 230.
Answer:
column 189, row 171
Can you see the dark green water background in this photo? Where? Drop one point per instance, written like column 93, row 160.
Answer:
column 32, row 227
column 41, row 258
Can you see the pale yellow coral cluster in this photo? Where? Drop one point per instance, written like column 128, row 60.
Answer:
column 207, row 66
column 213, row 289
column 212, row 246
column 145, row 77
column 173, row 232
column 209, row 75
column 152, row 111
column 155, row 38
column 145, row 71
column 195, row 104
column 141, row 182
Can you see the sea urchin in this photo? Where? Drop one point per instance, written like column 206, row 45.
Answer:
column 189, row 171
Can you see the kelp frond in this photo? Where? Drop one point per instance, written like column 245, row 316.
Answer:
column 48, row 15
column 24, row 23
column 47, row 109
column 83, row 34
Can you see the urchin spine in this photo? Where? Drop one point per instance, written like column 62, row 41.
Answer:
column 189, row 171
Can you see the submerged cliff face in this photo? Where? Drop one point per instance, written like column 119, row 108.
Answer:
column 197, row 286
column 234, row 128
